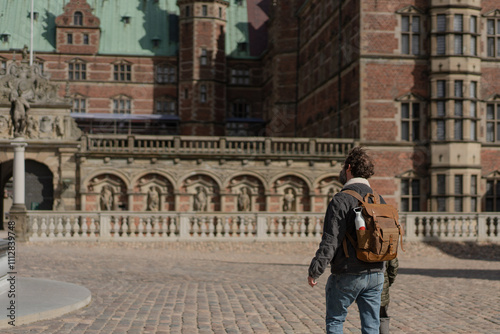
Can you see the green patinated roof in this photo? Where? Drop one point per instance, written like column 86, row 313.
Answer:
column 149, row 19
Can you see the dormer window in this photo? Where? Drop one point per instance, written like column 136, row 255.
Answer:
column 78, row 19
column 242, row 47
column 156, row 41
column 5, row 37
column 35, row 16
column 126, row 19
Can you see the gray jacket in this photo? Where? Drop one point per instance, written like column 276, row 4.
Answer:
column 339, row 219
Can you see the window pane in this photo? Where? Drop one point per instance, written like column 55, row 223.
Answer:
column 459, row 88
column 459, row 46
column 405, row 187
column 490, row 27
column 405, row 24
column 441, row 132
column 458, row 22
column 473, row 109
column 473, row 184
column 441, row 22
column 473, row 47
column 473, row 23
column 458, row 204
column 405, row 112
column 415, row 204
column 415, row 25
column 415, row 44
column 473, row 204
column 405, row 130
column 498, row 131
column 415, row 130
column 459, row 130
column 491, row 47
column 441, row 45
column 441, row 108
column 473, row 130
column 458, row 184
column 490, row 135
column 490, row 112
column 473, row 88
column 415, row 187
column 459, row 108
column 405, row 44
column 441, row 184
column 441, row 88
column 441, row 201
column 416, row 110
column 405, row 202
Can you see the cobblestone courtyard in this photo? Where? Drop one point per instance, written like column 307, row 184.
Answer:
column 255, row 288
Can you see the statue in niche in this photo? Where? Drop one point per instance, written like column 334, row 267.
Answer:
column 244, row 200
column 153, row 200
column 288, row 200
column 106, row 199
column 18, row 111
column 200, row 199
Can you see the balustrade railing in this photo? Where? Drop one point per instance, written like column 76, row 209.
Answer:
column 124, row 226
column 231, row 146
column 121, row 226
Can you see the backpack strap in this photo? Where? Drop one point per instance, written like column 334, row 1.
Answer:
column 354, row 194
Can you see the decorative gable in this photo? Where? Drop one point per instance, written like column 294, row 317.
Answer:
column 77, row 29
column 492, row 13
column 71, row 16
column 410, row 97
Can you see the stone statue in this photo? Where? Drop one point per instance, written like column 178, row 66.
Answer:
column 58, row 128
column 200, row 200
column 289, row 200
column 25, row 53
column 244, row 200
column 19, row 108
column 106, row 199
column 31, row 127
column 153, row 200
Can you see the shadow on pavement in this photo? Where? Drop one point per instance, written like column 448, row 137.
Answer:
column 469, row 250
column 492, row 275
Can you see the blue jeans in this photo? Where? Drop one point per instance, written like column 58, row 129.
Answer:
column 343, row 289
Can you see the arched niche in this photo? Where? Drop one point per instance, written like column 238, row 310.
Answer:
column 245, row 193
column 153, row 192
column 106, row 192
column 290, row 194
column 200, row 193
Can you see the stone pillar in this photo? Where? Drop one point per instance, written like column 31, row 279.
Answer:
column 18, row 210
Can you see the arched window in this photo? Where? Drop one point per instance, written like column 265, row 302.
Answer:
column 78, row 19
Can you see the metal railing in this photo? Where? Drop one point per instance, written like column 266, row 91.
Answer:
column 261, row 226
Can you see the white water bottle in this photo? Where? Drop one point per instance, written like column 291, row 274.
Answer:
column 359, row 220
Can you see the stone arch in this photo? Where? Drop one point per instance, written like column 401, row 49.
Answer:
column 105, row 192
column 290, row 193
column 153, row 191
column 246, row 193
column 199, row 192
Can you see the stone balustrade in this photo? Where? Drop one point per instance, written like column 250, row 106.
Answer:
column 262, row 226
column 218, row 146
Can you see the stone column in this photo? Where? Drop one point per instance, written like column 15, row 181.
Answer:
column 18, row 210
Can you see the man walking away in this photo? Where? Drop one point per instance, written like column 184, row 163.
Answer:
column 351, row 280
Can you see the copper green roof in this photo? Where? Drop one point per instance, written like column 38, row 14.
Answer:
column 148, row 19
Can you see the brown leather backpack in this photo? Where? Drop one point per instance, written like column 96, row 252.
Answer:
column 379, row 241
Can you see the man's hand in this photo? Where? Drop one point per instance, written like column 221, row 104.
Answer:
column 312, row 281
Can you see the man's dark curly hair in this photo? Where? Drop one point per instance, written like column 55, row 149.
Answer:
column 361, row 163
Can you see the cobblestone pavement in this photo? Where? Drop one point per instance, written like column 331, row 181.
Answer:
column 255, row 288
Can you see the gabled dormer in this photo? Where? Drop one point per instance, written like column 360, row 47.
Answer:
column 77, row 29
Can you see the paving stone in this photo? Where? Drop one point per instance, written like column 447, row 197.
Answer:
column 210, row 287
